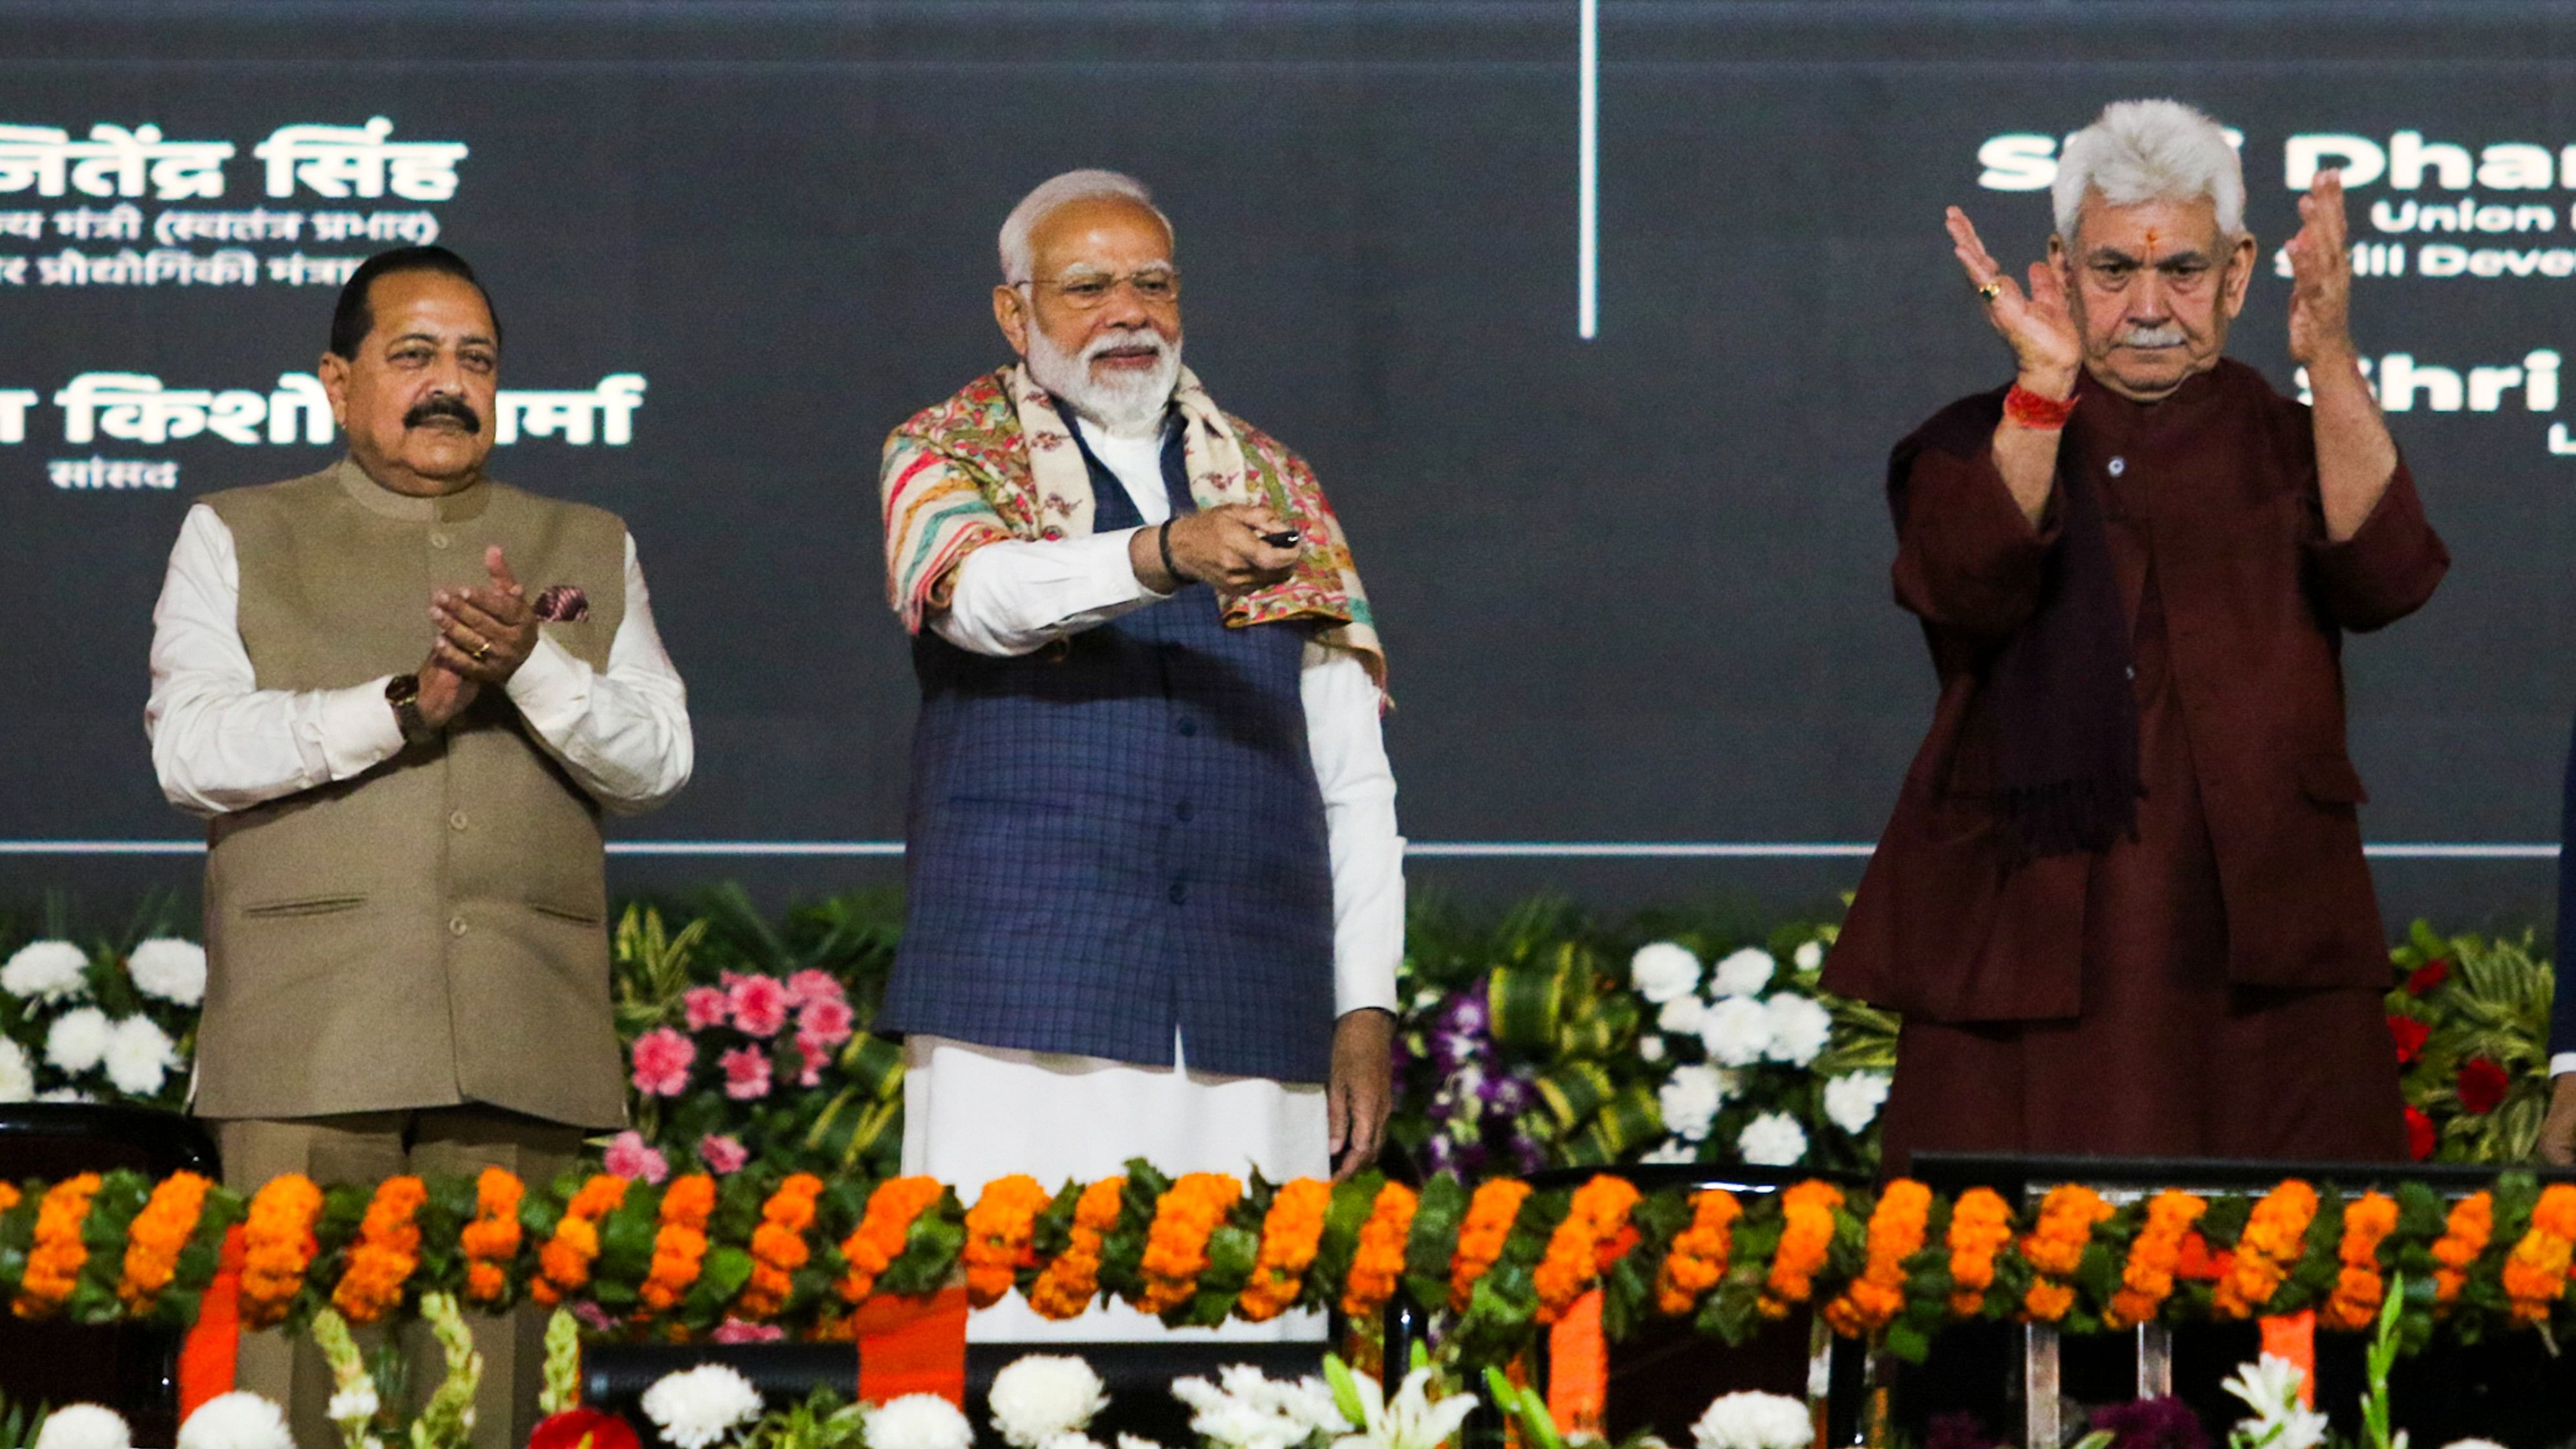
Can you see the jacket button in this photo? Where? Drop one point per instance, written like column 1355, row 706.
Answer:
column 2118, row 466
column 456, row 821
column 1186, row 727
column 1185, row 810
column 456, row 925
column 438, row 540
column 1180, row 892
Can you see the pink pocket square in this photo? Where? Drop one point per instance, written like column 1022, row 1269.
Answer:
column 563, row 604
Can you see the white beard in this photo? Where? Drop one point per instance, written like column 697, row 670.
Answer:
column 1131, row 404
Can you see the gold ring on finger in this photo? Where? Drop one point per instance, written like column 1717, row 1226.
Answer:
column 1991, row 290
column 482, row 650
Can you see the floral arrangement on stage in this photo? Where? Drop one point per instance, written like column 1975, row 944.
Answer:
column 105, row 1021
column 2470, row 1018
column 754, row 1254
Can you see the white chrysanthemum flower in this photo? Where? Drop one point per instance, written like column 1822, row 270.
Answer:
column 1664, row 971
column 71, row 1095
column 1736, row 1031
column 919, row 1421
column 1755, row 1421
column 696, row 1407
column 1682, row 1015
column 85, row 1426
column 1650, row 1047
column 17, row 1072
column 353, row 1406
column 1773, row 1139
column 2473, row 1444
column 1808, row 956
column 1043, row 1396
column 1070, row 1441
column 1138, row 1441
column 1690, row 1098
column 238, row 1420
column 169, row 968
column 77, row 1040
column 1800, row 1027
column 46, row 971
column 2270, row 1386
column 1671, row 1149
column 1246, row 1410
column 139, row 1056
column 1853, row 1099
column 1745, row 973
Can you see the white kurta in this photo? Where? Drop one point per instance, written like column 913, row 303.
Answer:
column 974, row 1113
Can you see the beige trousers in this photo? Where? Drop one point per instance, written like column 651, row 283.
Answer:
column 367, row 1148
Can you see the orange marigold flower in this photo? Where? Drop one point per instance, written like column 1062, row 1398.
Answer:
column 384, row 1253
column 680, row 1241
column 1176, row 1243
column 878, row 1239
column 2367, row 1222
column 1379, row 1260
column 563, row 1264
column 1980, row 1226
column 277, row 1247
column 2274, row 1240
column 492, row 1239
column 2464, row 1239
column 1063, row 1290
column 54, row 1259
column 2147, row 1279
column 1482, row 1235
column 1897, row 1228
column 1290, row 1233
column 1572, row 1263
column 2055, row 1246
column 2535, row 1272
column 778, row 1247
column 1806, row 1235
column 156, row 1237
column 999, row 1228
column 9, row 1196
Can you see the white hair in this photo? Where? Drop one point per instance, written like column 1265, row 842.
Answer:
column 2139, row 151
column 1017, row 260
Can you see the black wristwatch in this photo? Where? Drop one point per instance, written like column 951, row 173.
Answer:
column 403, row 693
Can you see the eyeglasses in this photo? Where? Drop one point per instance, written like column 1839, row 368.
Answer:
column 1085, row 291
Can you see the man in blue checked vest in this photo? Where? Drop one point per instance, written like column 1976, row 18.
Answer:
column 1157, row 893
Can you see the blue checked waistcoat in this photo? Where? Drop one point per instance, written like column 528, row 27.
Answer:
column 1120, row 834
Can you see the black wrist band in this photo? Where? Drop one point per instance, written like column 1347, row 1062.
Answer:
column 1163, row 541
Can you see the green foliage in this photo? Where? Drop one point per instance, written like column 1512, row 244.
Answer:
column 2484, row 1002
column 20, row 1423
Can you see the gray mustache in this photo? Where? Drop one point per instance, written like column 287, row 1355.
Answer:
column 2152, row 337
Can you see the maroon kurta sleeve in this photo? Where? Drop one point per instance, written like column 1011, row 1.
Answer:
column 1966, row 557
column 2389, row 566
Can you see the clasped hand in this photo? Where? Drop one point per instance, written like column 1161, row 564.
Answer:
column 1221, row 547
column 484, row 635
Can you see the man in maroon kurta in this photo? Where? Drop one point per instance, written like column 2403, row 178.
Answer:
column 2122, row 903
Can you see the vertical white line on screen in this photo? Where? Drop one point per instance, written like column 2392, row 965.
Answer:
column 1587, row 199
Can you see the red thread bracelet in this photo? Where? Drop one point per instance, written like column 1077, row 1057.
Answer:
column 2028, row 409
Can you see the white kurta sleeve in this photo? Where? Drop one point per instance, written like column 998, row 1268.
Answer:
column 1018, row 596
column 219, row 742
column 1349, row 750
column 622, row 733
column 2561, row 1064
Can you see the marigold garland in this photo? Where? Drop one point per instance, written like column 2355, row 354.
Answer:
column 680, row 1241
column 384, row 1253
column 2464, row 1239
column 2055, row 1248
column 1063, row 1290
column 156, row 1237
column 1176, row 1243
column 1290, row 1233
column 1482, row 1235
column 1897, row 1228
column 492, row 1238
column 2147, row 1280
column 999, row 1228
column 2367, row 1222
column 878, row 1240
column 778, row 1247
column 1806, row 1235
column 1698, row 1254
column 2535, row 1272
column 1378, row 1262
column 277, row 1247
column 1980, row 1227
column 2274, row 1239
column 9, row 1196
column 54, row 1259
column 1591, row 1231
column 563, row 1264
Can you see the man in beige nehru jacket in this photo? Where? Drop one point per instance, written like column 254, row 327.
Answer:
column 401, row 694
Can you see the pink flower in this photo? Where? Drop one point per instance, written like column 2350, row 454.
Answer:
column 812, row 1054
column 746, row 1071
column 827, row 1023
column 706, row 1006
column 593, row 1316
column 734, row 1330
column 629, row 1158
column 809, row 986
column 662, row 1061
column 759, row 1004
column 722, row 1155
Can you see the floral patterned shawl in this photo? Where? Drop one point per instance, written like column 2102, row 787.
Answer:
column 996, row 462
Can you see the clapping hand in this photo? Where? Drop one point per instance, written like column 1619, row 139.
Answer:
column 484, row 634
column 2037, row 324
column 2321, row 276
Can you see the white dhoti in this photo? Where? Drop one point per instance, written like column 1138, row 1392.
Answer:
column 974, row 1113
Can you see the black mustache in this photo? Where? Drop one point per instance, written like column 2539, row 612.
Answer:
column 443, row 407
